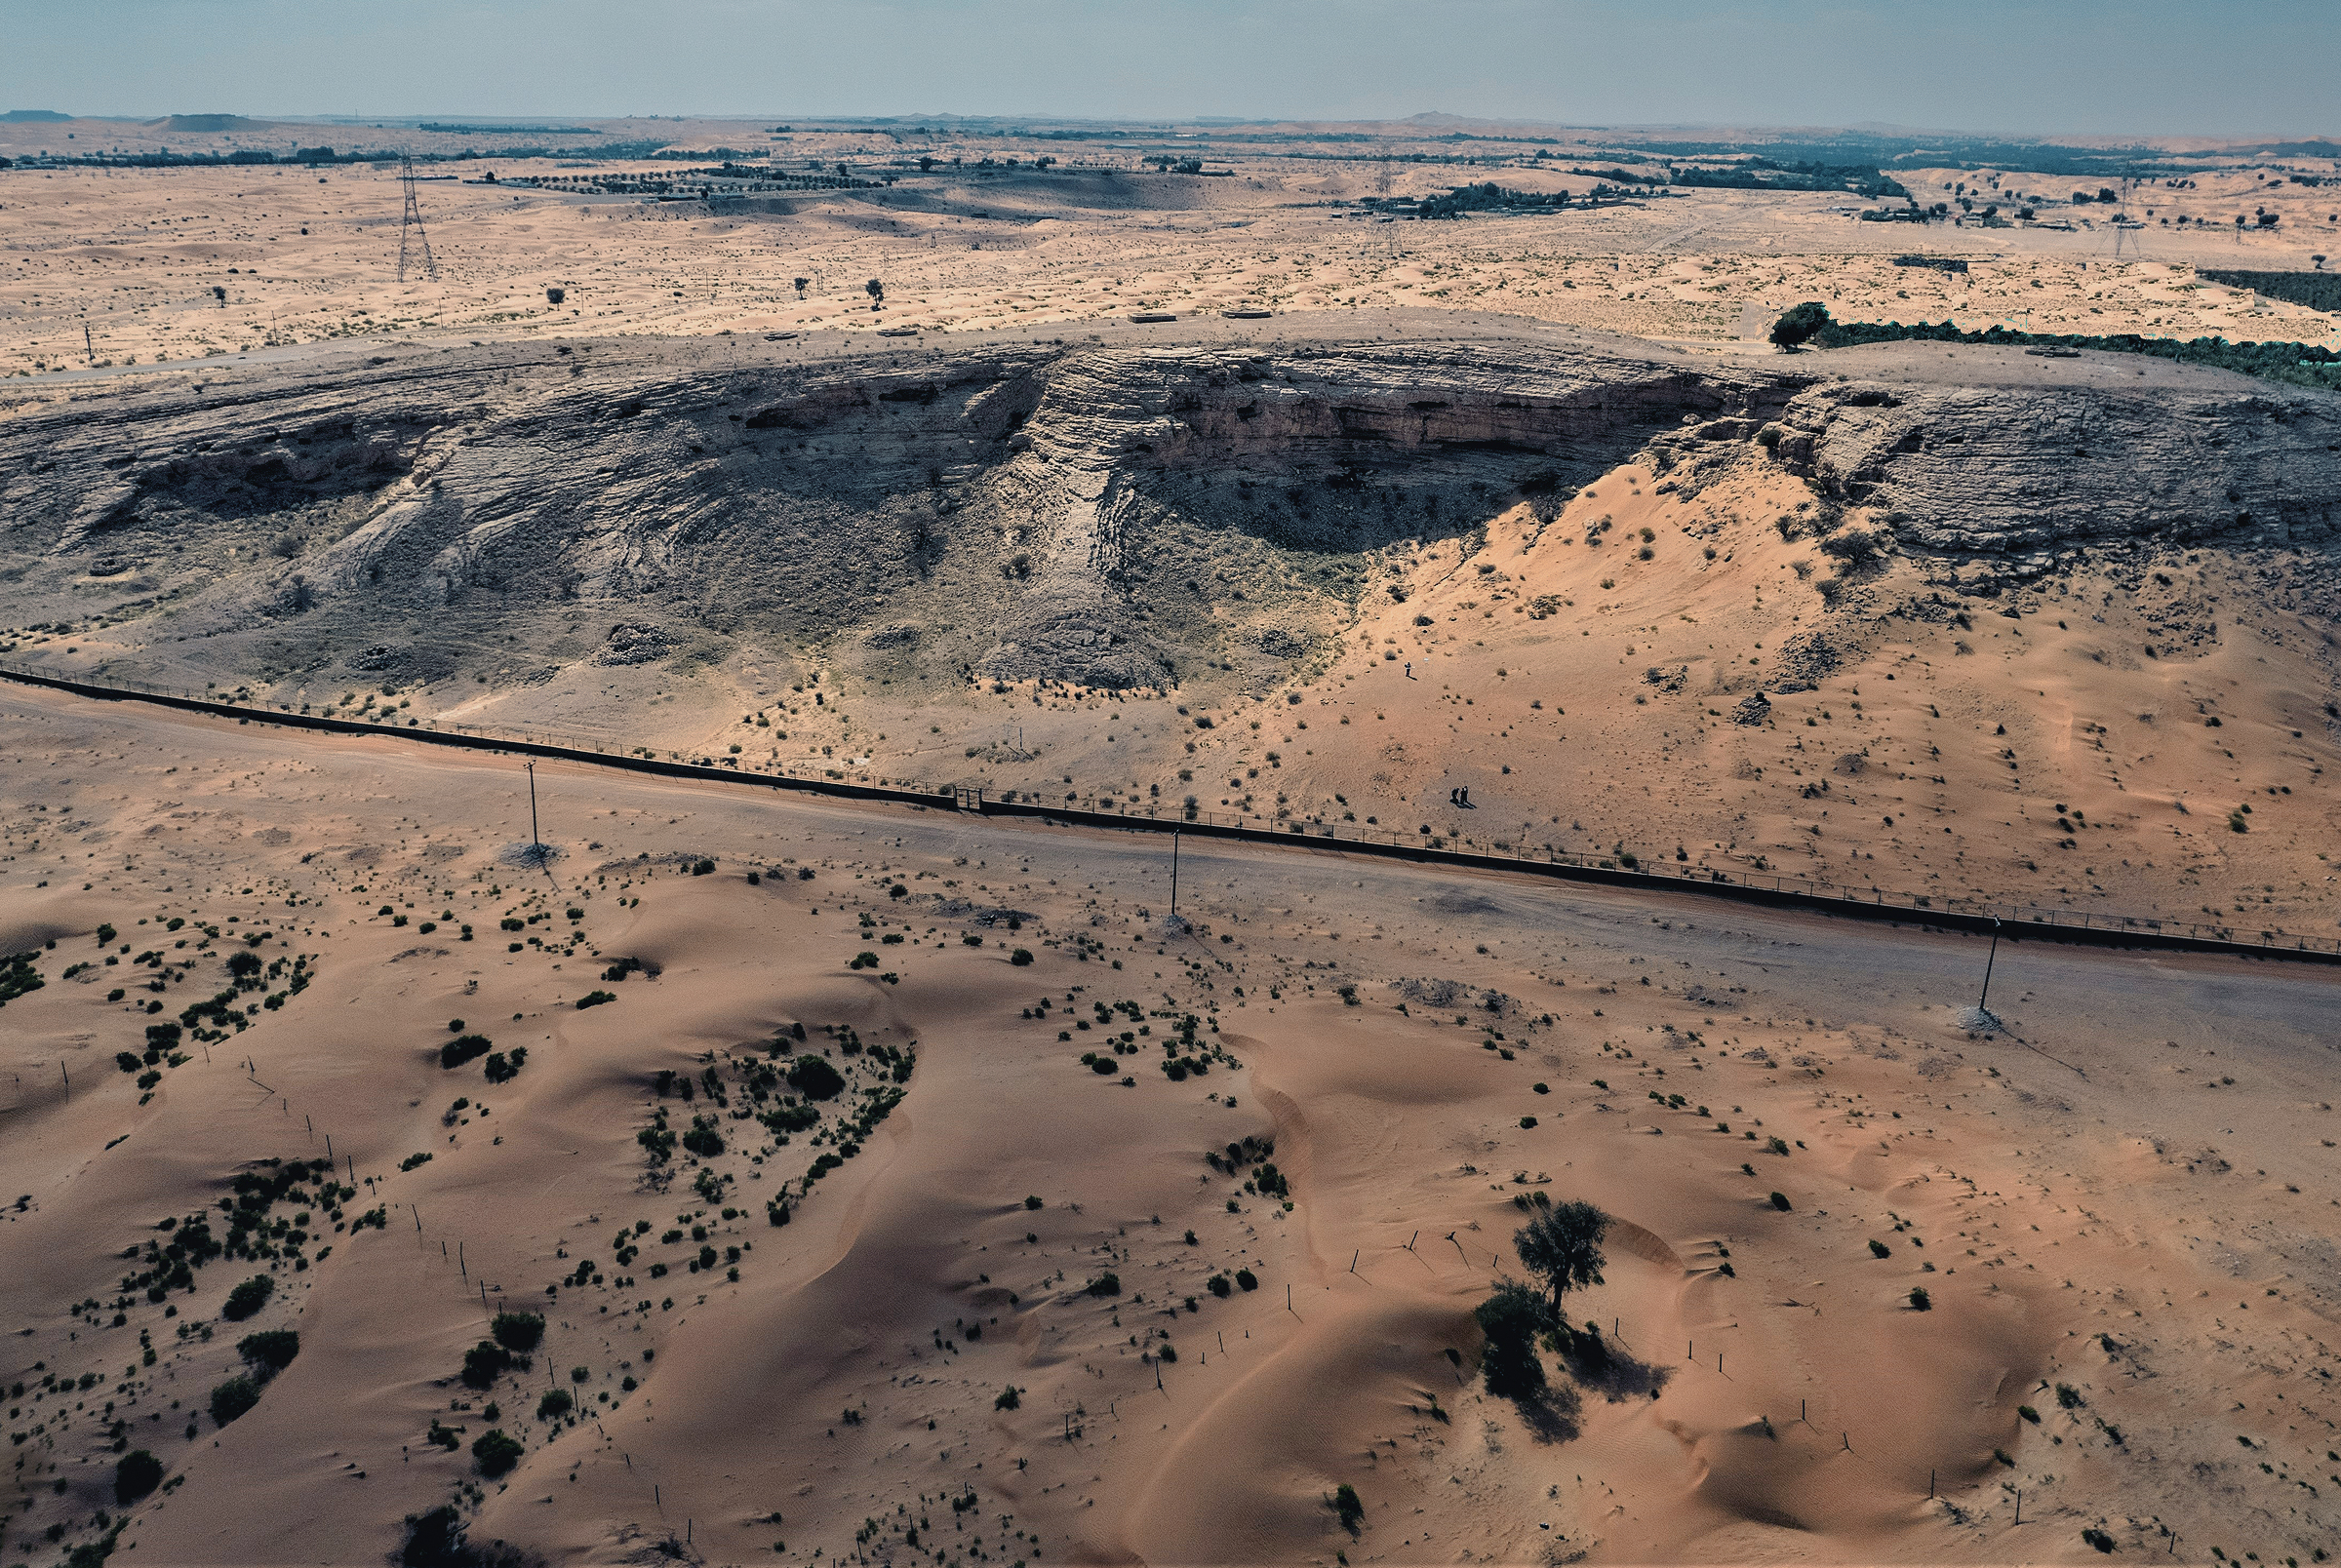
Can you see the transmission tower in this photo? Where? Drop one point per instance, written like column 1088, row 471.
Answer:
column 410, row 222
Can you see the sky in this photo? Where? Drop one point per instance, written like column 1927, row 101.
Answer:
column 2146, row 67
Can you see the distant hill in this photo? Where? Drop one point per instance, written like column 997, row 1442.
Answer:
column 23, row 116
column 209, row 122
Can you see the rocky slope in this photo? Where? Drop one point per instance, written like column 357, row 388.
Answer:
column 1005, row 562
column 1106, row 515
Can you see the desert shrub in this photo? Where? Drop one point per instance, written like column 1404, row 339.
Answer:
column 1021, row 957
column 2029, row 1414
column 1217, row 1285
column 1879, row 1249
column 1799, row 322
column 434, row 1540
column 1032, row 1202
column 497, row 1452
column 1777, row 1146
column 595, row 999
column 555, row 1404
column 2068, row 1397
column 233, row 1397
column 703, row 1139
column 1009, row 1398
column 484, row 1363
column 501, row 1067
column 245, row 964
column 1105, row 1284
column 127, row 1061
column 465, row 1048
column 1512, row 1318
column 413, row 1160
column 1920, row 1301
column 518, row 1332
column 1856, row 547
column 1246, row 1280
column 2097, row 1538
column 703, row 868
column 1346, row 1507
column 137, row 1473
column 273, row 1348
column 814, row 1079
column 1781, row 1201
column 248, row 1298
column 1167, row 1352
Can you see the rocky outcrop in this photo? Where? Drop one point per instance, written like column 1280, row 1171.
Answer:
column 1100, row 514
column 2026, row 474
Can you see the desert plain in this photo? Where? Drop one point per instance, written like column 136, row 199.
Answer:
column 697, row 1171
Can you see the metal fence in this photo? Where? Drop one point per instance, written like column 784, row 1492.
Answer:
column 851, row 781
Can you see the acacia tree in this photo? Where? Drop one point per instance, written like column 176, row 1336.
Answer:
column 1799, row 322
column 1563, row 1245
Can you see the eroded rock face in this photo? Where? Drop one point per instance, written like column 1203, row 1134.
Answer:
column 1104, row 515
column 2028, row 472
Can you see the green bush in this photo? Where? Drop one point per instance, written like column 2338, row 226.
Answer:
column 1512, row 1318
column 1032, row 1202
column 1920, row 1301
column 595, row 999
column 1021, row 957
column 814, row 1079
column 1217, row 1285
column 465, row 1048
column 1347, row 1508
column 233, row 1397
column 497, row 1453
column 1879, row 1249
column 273, row 1348
column 1798, row 324
column 1781, row 1201
column 518, row 1332
column 137, row 1473
column 1246, row 1280
column 1009, row 1398
column 555, row 1404
column 484, row 1363
column 504, row 1069
column 1105, row 1284
column 248, row 1298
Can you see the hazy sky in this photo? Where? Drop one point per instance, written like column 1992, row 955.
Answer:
column 2148, row 66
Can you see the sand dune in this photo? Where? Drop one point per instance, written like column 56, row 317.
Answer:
column 2070, row 1193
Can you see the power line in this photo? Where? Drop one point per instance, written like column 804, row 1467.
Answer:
column 409, row 220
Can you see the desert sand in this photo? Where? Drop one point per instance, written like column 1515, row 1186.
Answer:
column 752, row 1178
column 2118, row 1205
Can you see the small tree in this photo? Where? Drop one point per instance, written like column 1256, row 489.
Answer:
column 877, row 292
column 1797, row 324
column 1563, row 1245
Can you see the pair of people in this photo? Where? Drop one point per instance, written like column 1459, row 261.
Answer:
column 1459, row 796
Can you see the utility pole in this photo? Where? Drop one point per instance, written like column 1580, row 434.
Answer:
column 1174, row 873
column 537, row 839
column 1989, row 960
column 411, row 219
